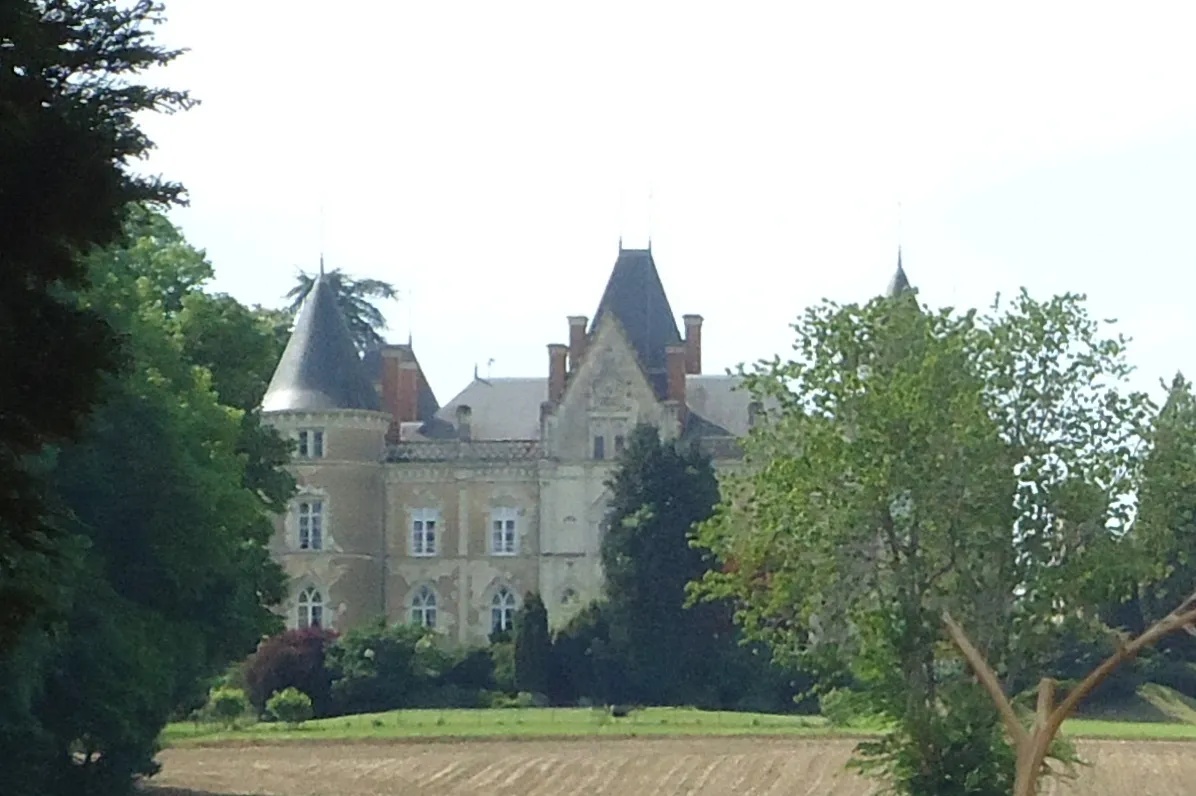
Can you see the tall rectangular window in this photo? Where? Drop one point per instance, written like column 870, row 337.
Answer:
column 425, row 523
column 599, row 447
column 311, row 525
column 620, row 443
column 504, row 539
column 311, row 443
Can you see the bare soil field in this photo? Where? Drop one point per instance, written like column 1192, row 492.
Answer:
column 598, row 767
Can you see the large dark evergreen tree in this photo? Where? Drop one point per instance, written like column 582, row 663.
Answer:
column 534, row 669
column 659, row 492
column 67, row 135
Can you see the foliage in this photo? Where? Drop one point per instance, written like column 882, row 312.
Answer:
column 914, row 462
column 290, row 706
column 377, row 667
column 503, row 655
column 534, row 664
column 226, row 705
column 292, row 659
column 354, row 297
column 166, row 520
column 585, row 670
column 68, row 101
column 658, row 493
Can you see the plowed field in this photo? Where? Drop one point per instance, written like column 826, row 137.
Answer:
column 634, row 767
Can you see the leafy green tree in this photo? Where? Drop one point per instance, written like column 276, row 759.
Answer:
column 68, row 100
column 659, row 492
column 534, row 664
column 355, row 298
column 917, row 466
column 378, row 667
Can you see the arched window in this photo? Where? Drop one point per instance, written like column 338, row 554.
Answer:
column 502, row 611
column 423, row 607
column 569, row 597
column 311, row 608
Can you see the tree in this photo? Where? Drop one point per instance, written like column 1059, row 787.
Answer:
column 68, row 132
column 659, row 492
column 353, row 296
column 170, row 575
column 291, row 706
column 378, row 667
column 916, row 463
column 534, row 665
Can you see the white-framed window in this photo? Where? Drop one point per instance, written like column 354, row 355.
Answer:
column 311, row 608
column 425, row 532
column 569, row 597
column 423, row 607
column 502, row 610
column 620, row 444
column 504, row 537
column 311, row 443
column 599, row 447
column 311, row 523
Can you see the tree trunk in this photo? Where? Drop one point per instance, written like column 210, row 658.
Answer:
column 1033, row 746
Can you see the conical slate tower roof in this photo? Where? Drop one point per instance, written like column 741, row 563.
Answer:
column 635, row 295
column 319, row 369
column 899, row 283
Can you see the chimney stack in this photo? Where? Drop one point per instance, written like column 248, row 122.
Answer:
column 755, row 410
column 577, row 341
column 693, row 344
column 464, row 423
column 558, row 356
column 676, row 360
column 400, row 383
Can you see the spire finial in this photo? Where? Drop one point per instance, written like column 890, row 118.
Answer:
column 321, row 263
column 620, row 243
column 650, row 192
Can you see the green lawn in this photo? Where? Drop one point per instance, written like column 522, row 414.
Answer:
column 584, row 722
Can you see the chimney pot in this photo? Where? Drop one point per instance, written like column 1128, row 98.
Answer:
column 558, row 356
column 577, row 341
column 464, row 423
column 693, row 343
column 676, row 361
column 755, row 409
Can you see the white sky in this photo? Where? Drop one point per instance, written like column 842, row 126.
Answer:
column 485, row 158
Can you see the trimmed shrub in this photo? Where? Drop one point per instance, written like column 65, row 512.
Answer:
column 291, row 706
column 226, row 705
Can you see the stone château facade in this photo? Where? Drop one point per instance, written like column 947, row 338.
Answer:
column 448, row 515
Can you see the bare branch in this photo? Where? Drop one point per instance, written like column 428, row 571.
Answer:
column 988, row 679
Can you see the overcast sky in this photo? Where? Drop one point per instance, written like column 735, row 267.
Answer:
column 486, row 157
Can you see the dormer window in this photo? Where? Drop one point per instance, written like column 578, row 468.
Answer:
column 311, row 443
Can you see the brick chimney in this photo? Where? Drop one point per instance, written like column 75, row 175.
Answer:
column 693, row 343
column 558, row 356
column 577, row 341
column 676, row 357
column 400, row 383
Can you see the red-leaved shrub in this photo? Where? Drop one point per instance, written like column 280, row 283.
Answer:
column 294, row 659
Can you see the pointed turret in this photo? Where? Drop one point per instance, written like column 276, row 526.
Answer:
column 319, row 369
column 899, row 283
column 635, row 295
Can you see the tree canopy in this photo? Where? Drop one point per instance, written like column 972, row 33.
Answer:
column 68, row 136
column 167, row 500
column 917, row 462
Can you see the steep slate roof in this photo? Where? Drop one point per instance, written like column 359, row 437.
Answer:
column 500, row 408
column 509, row 409
column 634, row 294
column 319, row 369
column 899, row 283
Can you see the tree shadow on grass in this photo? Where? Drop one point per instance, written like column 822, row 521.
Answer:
column 159, row 790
